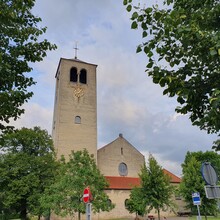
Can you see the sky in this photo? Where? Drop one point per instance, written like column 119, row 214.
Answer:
column 128, row 101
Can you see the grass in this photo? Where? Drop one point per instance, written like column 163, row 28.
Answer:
column 203, row 218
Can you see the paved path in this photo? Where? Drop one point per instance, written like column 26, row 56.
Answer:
column 177, row 218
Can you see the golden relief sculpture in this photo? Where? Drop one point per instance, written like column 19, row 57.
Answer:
column 78, row 91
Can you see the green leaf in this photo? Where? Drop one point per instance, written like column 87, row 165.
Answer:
column 213, row 51
column 129, row 8
column 134, row 15
column 172, row 64
column 183, row 16
column 140, row 18
column 125, row 2
column 134, row 25
column 139, row 49
column 162, row 82
column 144, row 26
column 169, row 2
column 144, row 34
column 150, row 54
column 146, row 49
column 150, row 64
column 165, row 91
column 180, row 100
column 148, row 10
column 157, row 15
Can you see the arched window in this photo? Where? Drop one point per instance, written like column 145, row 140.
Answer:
column 77, row 120
column 109, row 202
column 126, row 203
column 73, row 74
column 83, row 76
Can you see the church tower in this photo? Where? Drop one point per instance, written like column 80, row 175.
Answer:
column 75, row 108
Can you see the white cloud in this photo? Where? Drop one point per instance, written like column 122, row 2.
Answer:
column 175, row 116
column 35, row 115
column 170, row 165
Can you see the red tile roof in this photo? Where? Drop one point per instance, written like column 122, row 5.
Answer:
column 118, row 182
column 174, row 178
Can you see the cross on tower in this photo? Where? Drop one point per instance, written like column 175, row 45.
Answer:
column 76, row 50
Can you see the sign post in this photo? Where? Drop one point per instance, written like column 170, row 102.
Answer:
column 210, row 176
column 88, row 211
column 197, row 202
column 87, row 196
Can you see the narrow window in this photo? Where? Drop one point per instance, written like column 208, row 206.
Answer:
column 109, row 202
column 77, row 120
column 83, row 76
column 73, row 74
column 122, row 151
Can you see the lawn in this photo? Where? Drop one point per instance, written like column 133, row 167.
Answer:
column 203, row 218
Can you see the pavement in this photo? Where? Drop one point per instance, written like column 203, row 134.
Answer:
column 177, row 218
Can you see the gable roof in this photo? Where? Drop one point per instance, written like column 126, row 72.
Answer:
column 119, row 139
column 118, row 182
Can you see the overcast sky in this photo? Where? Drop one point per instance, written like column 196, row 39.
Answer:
column 128, row 101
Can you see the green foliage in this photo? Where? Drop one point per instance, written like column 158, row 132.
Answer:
column 137, row 202
column 192, row 181
column 19, row 46
column 155, row 191
column 208, row 156
column 27, row 167
column 182, row 44
column 216, row 145
column 64, row 197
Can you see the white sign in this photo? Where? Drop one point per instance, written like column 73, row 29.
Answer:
column 212, row 192
column 196, row 198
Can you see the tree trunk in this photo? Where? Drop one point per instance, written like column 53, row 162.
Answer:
column 23, row 212
column 158, row 214
column 48, row 216
column 79, row 215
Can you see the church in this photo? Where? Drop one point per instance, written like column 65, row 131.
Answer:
column 75, row 128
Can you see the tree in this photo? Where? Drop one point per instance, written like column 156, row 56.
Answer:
column 137, row 203
column 155, row 191
column 182, row 44
column 19, row 46
column 27, row 168
column 192, row 182
column 207, row 156
column 64, row 197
